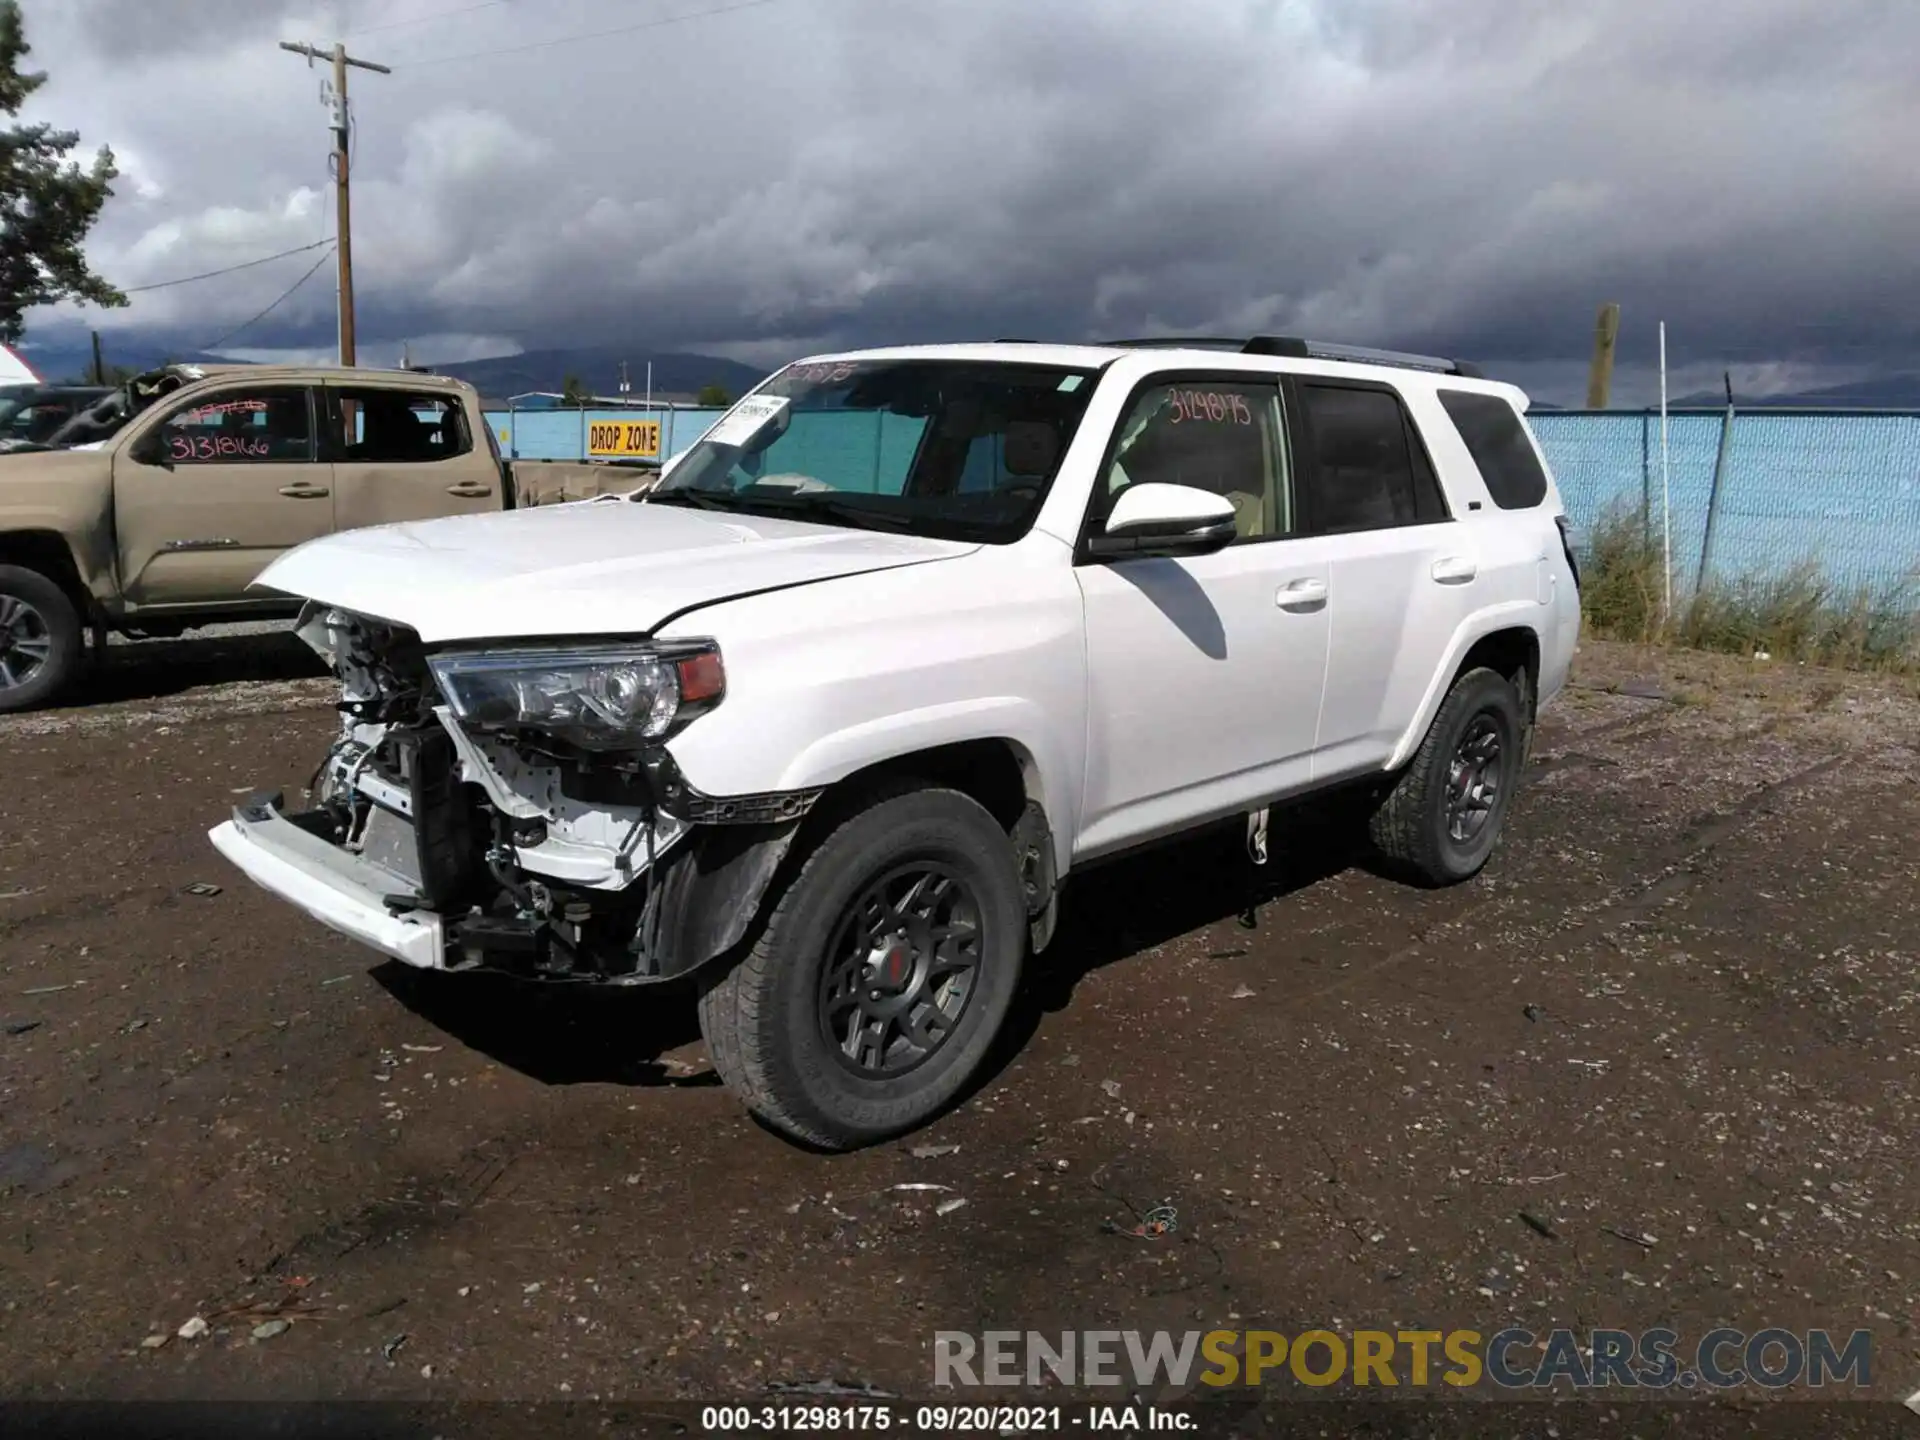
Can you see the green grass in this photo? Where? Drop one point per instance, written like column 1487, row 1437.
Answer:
column 1797, row 615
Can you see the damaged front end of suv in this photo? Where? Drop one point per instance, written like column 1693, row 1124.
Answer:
column 518, row 809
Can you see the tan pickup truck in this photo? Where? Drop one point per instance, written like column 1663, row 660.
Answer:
column 206, row 474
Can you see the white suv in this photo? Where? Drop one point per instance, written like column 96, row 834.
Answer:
column 826, row 718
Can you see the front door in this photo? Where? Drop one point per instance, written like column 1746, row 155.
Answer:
column 404, row 454
column 1205, row 673
column 225, row 482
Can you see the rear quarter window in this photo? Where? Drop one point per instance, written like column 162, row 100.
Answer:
column 1498, row 442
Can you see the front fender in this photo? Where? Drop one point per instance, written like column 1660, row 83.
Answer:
column 1045, row 755
column 1513, row 615
column 68, row 494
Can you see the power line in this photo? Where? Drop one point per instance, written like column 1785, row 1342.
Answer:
column 245, row 325
column 592, row 34
column 424, row 19
column 228, row 270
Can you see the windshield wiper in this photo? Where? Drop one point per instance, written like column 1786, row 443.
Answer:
column 820, row 505
column 815, row 503
column 698, row 499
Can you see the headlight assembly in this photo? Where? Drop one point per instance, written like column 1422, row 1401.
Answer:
column 599, row 699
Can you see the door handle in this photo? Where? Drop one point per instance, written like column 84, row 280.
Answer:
column 1455, row 569
column 305, row 492
column 1302, row 595
column 469, row 490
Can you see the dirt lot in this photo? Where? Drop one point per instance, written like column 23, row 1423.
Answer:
column 1674, row 1023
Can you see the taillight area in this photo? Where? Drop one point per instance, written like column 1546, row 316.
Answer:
column 1565, row 527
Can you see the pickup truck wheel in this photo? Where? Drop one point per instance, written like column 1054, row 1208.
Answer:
column 1441, row 819
column 40, row 639
column 881, row 976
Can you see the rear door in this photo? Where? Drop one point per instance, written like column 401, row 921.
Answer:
column 1403, row 571
column 210, row 490
column 1524, row 553
column 406, row 454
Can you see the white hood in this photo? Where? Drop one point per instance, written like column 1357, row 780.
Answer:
column 601, row 567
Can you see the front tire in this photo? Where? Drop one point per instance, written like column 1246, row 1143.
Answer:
column 878, row 982
column 1440, row 822
column 40, row 639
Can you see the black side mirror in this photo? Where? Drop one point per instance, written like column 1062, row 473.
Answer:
column 148, row 450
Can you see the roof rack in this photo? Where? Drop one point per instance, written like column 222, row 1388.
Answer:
column 1297, row 349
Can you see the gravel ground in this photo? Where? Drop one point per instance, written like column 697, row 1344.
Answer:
column 1674, row 1023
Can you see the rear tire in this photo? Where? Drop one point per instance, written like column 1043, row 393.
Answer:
column 1440, row 822
column 880, row 978
column 40, row 639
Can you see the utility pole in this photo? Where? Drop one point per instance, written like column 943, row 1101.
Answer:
column 1606, row 331
column 341, row 123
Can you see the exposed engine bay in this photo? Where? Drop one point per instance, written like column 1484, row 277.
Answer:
column 542, row 858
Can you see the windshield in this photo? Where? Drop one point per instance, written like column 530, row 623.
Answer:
column 943, row 448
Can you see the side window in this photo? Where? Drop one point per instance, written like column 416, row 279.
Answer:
column 49, row 418
column 1498, row 443
column 36, row 422
column 1220, row 435
column 1366, row 468
column 396, row 427
column 240, row 427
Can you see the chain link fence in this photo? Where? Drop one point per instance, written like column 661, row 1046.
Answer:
column 1753, row 494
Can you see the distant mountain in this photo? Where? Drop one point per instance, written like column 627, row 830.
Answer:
column 1888, row 392
column 598, row 369
column 58, row 364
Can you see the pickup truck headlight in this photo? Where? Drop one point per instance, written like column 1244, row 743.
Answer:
column 600, row 699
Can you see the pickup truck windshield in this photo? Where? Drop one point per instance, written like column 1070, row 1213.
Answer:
column 942, row 448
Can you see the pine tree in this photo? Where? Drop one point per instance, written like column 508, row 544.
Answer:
column 47, row 202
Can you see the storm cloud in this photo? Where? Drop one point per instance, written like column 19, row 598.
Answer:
column 1471, row 177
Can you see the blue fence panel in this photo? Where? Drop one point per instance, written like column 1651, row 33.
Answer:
column 1601, row 462
column 562, row 434
column 1840, row 490
column 684, row 429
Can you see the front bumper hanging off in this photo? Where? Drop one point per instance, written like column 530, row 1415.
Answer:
column 698, row 902
column 335, row 887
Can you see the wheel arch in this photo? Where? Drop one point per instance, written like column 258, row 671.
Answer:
column 1004, row 751
column 998, row 772
column 46, row 552
column 1503, row 641
column 710, row 901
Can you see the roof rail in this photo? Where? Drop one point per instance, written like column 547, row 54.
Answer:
column 1298, row 349
column 1175, row 342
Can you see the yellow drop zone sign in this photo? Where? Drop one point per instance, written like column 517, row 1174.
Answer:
column 624, row 439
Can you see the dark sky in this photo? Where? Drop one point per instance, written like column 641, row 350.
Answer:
column 1467, row 176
